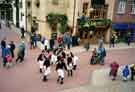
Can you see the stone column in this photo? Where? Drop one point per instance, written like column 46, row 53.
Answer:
column 108, row 34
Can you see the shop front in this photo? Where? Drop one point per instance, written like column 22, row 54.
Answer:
column 124, row 32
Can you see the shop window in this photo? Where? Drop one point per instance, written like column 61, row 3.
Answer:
column 97, row 3
column 133, row 7
column 55, row 2
column 122, row 6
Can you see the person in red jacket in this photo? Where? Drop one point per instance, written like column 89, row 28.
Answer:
column 60, row 40
column 114, row 69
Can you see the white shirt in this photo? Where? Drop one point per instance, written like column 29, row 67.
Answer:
column 75, row 59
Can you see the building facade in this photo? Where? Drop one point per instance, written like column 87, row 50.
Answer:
column 6, row 10
column 95, row 10
column 124, row 20
column 39, row 9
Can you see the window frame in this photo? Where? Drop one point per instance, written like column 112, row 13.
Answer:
column 133, row 7
column 120, row 6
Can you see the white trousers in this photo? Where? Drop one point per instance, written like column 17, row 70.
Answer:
column 47, row 71
column 60, row 73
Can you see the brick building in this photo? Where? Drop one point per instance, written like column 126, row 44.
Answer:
column 124, row 20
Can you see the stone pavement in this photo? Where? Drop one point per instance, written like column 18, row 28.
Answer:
column 101, row 82
column 25, row 77
column 117, row 86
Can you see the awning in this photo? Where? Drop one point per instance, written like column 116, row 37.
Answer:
column 120, row 26
column 132, row 26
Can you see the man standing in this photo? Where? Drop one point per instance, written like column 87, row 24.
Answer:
column 132, row 71
column 12, row 48
column 3, row 45
column 22, row 32
column 112, row 41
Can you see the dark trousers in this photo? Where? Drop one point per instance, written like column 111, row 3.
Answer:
column 132, row 75
column 12, row 54
column 21, row 58
column 60, row 79
column 70, row 73
column 4, row 62
column 68, row 45
column 112, row 44
column 74, row 67
column 22, row 35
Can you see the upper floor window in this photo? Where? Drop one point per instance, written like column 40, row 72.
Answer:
column 122, row 6
column 97, row 3
column 55, row 2
column 133, row 7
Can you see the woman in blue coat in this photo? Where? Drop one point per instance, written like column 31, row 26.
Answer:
column 126, row 73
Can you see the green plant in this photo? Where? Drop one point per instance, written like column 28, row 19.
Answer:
column 58, row 18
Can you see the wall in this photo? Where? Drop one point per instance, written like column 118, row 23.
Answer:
column 22, row 10
column 127, row 17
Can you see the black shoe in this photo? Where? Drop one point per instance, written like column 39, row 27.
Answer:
column 40, row 70
column 44, row 79
column 61, row 82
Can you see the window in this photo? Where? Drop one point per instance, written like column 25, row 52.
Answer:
column 133, row 7
column 55, row 2
column 121, row 6
column 85, row 8
column 28, row 4
column 21, row 5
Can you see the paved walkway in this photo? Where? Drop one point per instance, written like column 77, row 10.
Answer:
column 25, row 77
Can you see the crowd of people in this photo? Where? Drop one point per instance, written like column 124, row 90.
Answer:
column 8, row 52
column 64, row 61
column 127, row 72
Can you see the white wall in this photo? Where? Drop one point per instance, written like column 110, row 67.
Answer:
column 22, row 10
column 14, row 14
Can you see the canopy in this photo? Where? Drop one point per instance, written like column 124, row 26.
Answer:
column 120, row 26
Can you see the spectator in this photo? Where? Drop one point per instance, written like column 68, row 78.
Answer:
column 94, row 57
column 101, row 52
column 6, row 52
column 112, row 41
column 125, row 73
column 114, row 69
column 132, row 71
column 22, row 32
column 3, row 45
